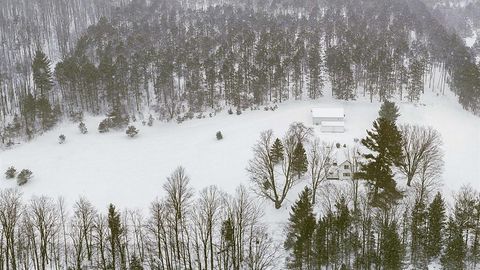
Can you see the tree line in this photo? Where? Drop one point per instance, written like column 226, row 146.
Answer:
column 174, row 59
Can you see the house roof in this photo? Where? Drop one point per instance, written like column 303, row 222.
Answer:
column 328, row 112
column 333, row 124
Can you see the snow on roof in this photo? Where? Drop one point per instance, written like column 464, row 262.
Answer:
column 333, row 124
column 328, row 112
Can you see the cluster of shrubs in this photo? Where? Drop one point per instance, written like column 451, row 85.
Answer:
column 270, row 108
column 150, row 121
column 22, row 178
column 238, row 112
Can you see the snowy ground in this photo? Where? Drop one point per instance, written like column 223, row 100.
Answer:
column 112, row 168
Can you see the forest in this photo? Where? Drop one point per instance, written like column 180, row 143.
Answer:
column 174, row 59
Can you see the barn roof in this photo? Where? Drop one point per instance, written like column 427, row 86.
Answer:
column 328, row 112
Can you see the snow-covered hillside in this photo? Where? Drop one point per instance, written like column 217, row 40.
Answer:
column 130, row 172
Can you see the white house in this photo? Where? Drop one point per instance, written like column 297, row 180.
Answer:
column 340, row 167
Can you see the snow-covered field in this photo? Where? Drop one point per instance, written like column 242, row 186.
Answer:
column 113, row 168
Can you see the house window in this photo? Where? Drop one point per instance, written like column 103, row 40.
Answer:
column 346, row 167
column 346, row 174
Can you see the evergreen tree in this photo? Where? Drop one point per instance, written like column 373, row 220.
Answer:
column 419, row 234
column 389, row 111
column 436, row 224
column 10, row 173
column 299, row 160
column 131, row 131
column 83, row 128
column 385, row 140
column 115, row 230
column 300, row 228
column 277, row 150
column 46, row 113
column 61, row 139
column 42, row 75
column 24, row 176
column 391, row 247
column 455, row 250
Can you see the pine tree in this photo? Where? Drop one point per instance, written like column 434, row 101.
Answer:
column 24, row 176
column 436, row 224
column 299, row 161
column 277, row 151
column 83, row 128
column 389, row 111
column 131, row 131
column 10, row 173
column 391, row 247
column 386, row 141
column 47, row 114
column 419, row 234
column 42, row 76
column 115, row 230
column 300, row 228
column 61, row 139
column 455, row 251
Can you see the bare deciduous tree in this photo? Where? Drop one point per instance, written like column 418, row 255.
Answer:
column 420, row 145
column 179, row 195
column 319, row 160
column 206, row 219
column 272, row 181
column 43, row 216
column 10, row 212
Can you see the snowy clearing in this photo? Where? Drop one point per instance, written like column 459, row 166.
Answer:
column 130, row 172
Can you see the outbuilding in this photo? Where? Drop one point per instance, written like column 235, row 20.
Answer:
column 320, row 115
column 333, row 126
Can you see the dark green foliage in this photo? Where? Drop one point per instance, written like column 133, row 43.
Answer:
column 104, row 126
column 419, row 233
column 46, row 113
column 219, row 135
column 277, row 151
column 300, row 228
column 61, row 139
column 131, row 131
column 42, row 75
column 10, row 173
column 391, row 247
column 115, row 230
column 385, row 141
column 83, row 128
column 24, row 176
column 436, row 224
column 389, row 111
column 299, row 160
column 455, row 251
column 118, row 118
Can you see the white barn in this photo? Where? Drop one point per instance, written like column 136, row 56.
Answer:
column 333, row 126
column 327, row 114
column 330, row 119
